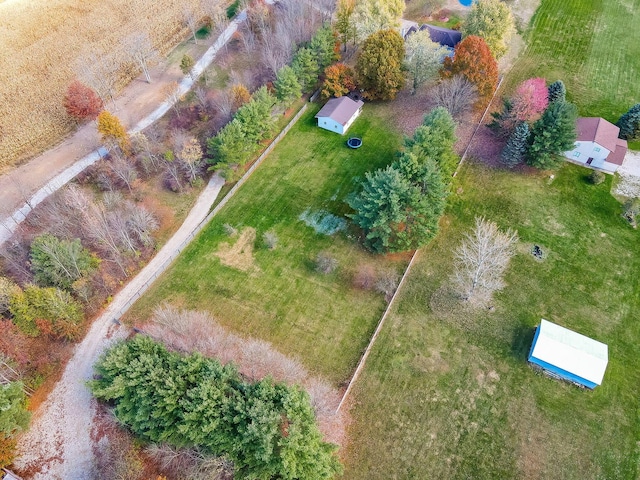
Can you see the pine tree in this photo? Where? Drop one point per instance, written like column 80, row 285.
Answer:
column 287, row 86
column 14, row 418
column 557, row 91
column 629, row 123
column 379, row 66
column 552, row 134
column 435, row 139
column 305, row 65
column 514, row 151
column 186, row 64
column 323, row 44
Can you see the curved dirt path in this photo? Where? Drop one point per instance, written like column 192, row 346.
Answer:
column 139, row 106
column 58, row 443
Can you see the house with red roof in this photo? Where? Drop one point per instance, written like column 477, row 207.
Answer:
column 597, row 145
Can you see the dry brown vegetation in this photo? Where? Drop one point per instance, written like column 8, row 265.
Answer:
column 44, row 43
column 190, row 331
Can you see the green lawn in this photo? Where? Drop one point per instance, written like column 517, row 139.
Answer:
column 448, row 393
column 593, row 46
column 319, row 319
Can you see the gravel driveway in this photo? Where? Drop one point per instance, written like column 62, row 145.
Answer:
column 58, row 443
column 629, row 171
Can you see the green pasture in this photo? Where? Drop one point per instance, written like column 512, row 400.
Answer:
column 320, row 319
column 591, row 45
column 447, row 392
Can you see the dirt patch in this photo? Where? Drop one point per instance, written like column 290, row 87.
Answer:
column 240, row 254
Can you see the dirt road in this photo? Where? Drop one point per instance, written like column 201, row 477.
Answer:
column 58, row 443
column 138, row 106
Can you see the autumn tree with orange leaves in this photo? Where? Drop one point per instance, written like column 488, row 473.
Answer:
column 473, row 60
column 339, row 80
column 81, row 102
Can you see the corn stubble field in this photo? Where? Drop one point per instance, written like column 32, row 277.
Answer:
column 43, row 42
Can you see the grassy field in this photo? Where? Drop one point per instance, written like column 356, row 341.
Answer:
column 593, row 46
column 320, row 319
column 42, row 41
column 447, row 393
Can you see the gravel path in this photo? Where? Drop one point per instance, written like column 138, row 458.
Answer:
column 82, row 148
column 58, row 443
column 629, row 171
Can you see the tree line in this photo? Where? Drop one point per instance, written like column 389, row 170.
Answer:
column 266, row 429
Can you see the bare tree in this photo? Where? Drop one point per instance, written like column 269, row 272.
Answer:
column 100, row 72
column 190, row 21
column 223, row 101
column 123, row 170
column 456, row 94
column 201, row 95
column 139, row 47
column 481, row 261
column 191, row 156
column 171, row 95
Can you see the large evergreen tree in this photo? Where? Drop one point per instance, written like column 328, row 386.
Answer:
column 492, row 20
column 323, row 44
column 552, row 134
column 305, row 65
column 435, row 139
column 515, row 148
column 557, row 91
column 379, row 66
column 287, row 86
column 629, row 123
column 267, row 429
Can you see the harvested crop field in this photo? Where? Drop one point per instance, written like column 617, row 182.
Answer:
column 43, row 42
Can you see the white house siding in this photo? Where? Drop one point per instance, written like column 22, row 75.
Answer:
column 331, row 125
column 609, row 167
column 351, row 120
column 585, row 150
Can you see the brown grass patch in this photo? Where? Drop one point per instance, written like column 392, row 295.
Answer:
column 240, row 254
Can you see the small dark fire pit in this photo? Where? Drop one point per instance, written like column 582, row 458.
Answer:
column 536, row 251
column 354, row 142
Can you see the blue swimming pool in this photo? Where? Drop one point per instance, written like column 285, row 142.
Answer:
column 466, row 3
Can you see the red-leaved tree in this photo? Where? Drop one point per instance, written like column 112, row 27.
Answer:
column 81, row 102
column 339, row 80
column 473, row 60
column 530, row 100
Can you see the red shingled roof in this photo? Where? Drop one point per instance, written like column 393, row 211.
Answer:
column 617, row 156
column 596, row 129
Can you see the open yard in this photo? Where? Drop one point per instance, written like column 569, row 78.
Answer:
column 447, row 393
column 593, row 46
column 277, row 295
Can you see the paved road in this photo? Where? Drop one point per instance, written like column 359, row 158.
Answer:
column 58, row 443
column 30, row 184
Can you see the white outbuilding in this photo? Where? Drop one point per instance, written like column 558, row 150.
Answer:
column 338, row 114
column 569, row 355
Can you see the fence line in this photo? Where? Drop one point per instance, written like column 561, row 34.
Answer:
column 176, row 253
column 464, row 155
column 365, row 355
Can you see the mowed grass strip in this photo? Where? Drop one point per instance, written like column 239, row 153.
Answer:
column 448, row 393
column 319, row 319
column 593, row 46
